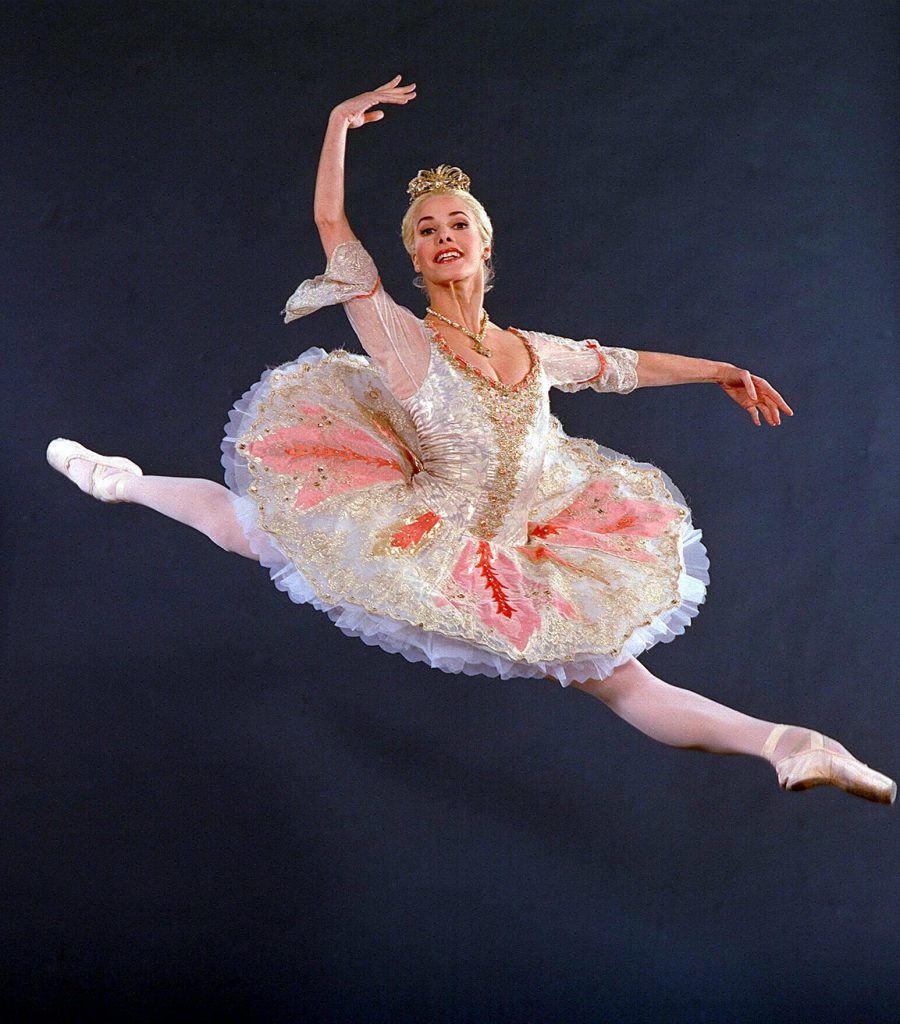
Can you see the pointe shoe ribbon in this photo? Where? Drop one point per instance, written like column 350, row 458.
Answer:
column 818, row 766
column 105, row 486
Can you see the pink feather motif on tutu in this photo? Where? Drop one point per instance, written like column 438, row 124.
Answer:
column 327, row 456
column 599, row 522
column 490, row 585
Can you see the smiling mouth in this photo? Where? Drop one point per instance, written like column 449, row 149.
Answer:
column 448, row 256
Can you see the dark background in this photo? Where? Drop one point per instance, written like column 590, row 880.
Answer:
column 215, row 805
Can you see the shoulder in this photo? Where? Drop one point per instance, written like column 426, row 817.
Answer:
column 552, row 343
column 350, row 261
column 546, row 337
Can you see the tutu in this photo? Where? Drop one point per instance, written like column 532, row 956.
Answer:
column 437, row 513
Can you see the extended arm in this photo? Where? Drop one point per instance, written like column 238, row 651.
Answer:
column 656, row 369
column 572, row 365
column 330, row 216
column 752, row 393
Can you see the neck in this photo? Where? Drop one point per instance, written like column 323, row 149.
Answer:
column 462, row 301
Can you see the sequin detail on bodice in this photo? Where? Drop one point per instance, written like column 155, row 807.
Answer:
column 479, row 444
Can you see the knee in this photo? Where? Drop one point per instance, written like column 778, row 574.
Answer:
column 620, row 682
column 233, row 540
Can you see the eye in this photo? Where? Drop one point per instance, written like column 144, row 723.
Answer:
column 461, row 224
column 425, row 231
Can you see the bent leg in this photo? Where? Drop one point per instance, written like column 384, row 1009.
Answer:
column 202, row 504
column 681, row 718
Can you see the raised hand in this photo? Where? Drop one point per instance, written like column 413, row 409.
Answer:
column 328, row 206
column 358, row 111
column 754, row 394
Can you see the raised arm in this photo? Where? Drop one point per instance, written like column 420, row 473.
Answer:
column 752, row 393
column 391, row 335
column 331, row 218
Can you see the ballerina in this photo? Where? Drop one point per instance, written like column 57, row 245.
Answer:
column 426, row 499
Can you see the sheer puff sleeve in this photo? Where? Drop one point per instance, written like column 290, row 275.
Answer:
column 573, row 365
column 392, row 336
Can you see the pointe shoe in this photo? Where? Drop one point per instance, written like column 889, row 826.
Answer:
column 102, row 484
column 817, row 766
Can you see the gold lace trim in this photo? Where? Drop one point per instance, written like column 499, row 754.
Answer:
column 511, row 409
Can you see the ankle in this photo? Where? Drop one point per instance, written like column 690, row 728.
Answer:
column 126, row 485
column 795, row 739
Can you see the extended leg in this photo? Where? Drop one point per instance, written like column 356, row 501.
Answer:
column 680, row 718
column 202, row 504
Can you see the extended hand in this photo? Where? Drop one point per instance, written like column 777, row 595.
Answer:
column 753, row 394
column 357, row 111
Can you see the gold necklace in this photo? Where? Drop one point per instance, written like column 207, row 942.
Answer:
column 477, row 339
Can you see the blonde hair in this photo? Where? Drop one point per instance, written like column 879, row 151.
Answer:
column 476, row 211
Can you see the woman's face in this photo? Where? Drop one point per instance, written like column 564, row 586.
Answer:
column 449, row 246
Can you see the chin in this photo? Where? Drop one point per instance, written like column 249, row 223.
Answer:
column 451, row 277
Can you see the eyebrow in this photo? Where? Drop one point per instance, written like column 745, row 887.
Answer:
column 456, row 213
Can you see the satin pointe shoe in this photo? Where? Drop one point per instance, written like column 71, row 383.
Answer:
column 815, row 765
column 106, row 480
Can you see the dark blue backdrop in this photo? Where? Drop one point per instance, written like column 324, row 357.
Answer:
column 216, row 805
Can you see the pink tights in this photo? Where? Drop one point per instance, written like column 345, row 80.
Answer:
column 682, row 718
column 677, row 717
column 203, row 504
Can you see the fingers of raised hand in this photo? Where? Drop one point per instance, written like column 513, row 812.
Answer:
column 393, row 88
column 394, row 83
column 359, row 116
column 355, row 110
column 400, row 94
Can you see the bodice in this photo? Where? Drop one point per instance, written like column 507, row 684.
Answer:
column 481, row 443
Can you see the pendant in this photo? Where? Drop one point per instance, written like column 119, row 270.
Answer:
column 480, row 349
column 477, row 345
